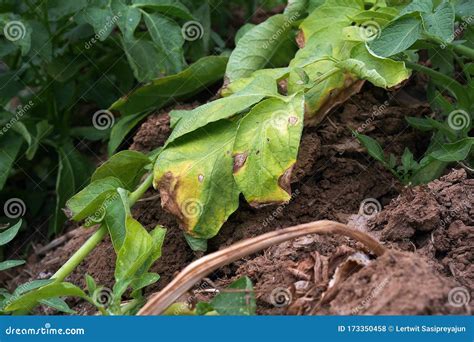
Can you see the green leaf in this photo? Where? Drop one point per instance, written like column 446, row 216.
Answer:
column 296, row 8
column 420, row 124
column 429, row 170
column 127, row 166
column 144, row 58
column 171, row 8
column 258, row 46
column 423, row 6
column 58, row 9
column 222, row 108
column 440, row 24
column 74, row 171
column 381, row 72
column 121, row 128
column 407, row 161
column 53, row 290
column 194, row 176
column 90, row 199
column 118, row 209
column 43, row 129
column 5, row 265
column 31, row 285
column 398, row 36
column 168, row 39
column 196, row 244
column 58, row 304
column 452, row 152
column 101, row 19
column 243, row 31
column 138, row 251
column 11, row 144
column 266, row 149
column 240, row 302
column 91, row 284
column 10, row 233
column 145, row 280
column 162, row 91
column 373, row 147
column 129, row 17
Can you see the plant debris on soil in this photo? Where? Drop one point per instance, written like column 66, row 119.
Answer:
column 430, row 229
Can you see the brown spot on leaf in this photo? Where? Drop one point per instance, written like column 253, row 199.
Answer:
column 239, row 161
column 200, row 178
column 292, row 120
column 300, row 39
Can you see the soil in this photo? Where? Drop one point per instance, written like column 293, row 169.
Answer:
column 429, row 229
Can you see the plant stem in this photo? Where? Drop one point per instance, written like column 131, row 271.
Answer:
column 463, row 50
column 80, row 254
column 98, row 236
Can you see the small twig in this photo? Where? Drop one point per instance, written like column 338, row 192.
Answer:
column 206, row 265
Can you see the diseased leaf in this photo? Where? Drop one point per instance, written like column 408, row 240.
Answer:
column 195, row 179
column 127, row 166
column 398, row 36
column 162, row 91
column 223, row 108
column 266, row 148
column 440, row 24
column 259, row 45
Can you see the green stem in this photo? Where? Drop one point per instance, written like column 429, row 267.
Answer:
column 462, row 50
column 80, row 254
column 444, row 81
column 98, row 236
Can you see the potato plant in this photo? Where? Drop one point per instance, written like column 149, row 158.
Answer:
column 285, row 73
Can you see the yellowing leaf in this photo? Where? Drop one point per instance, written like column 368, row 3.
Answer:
column 194, row 177
column 266, row 148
